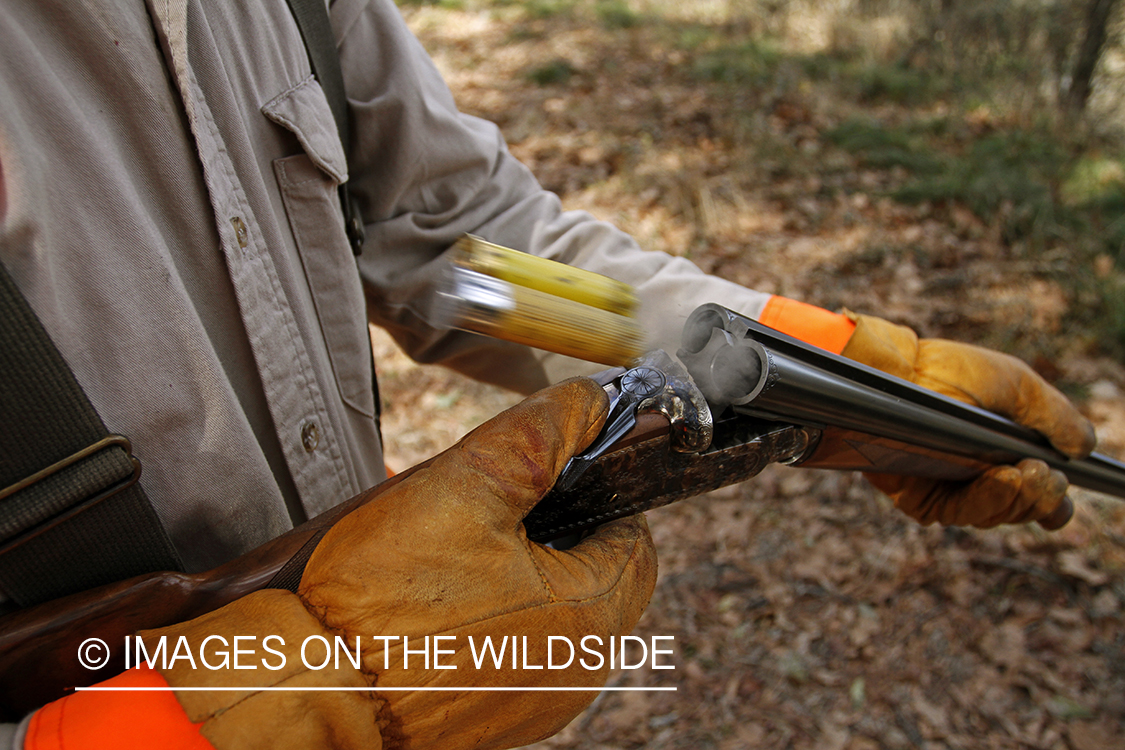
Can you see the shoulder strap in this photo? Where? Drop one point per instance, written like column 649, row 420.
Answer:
column 316, row 31
column 69, row 496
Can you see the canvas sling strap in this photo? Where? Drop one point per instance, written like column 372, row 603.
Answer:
column 316, row 31
column 72, row 515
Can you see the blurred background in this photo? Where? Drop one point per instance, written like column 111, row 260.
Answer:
column 957, row 166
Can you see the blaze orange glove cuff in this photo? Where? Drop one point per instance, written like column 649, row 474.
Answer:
column 117, row 720
column 811, row 324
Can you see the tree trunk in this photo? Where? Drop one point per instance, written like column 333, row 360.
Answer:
column 1097, row 21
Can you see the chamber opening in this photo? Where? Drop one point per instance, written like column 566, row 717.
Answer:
column 735, row 372
column 698, row 328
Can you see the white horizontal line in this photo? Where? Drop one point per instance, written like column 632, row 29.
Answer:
column 111, row 688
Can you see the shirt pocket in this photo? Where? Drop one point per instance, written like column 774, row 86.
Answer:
column 309, row 184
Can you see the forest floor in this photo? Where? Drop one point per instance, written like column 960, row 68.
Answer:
column 806, row 611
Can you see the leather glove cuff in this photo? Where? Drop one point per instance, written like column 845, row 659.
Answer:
column 298, row 717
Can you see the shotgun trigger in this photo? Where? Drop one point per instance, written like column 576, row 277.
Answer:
column 632, row 387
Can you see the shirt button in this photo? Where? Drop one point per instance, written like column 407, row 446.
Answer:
column 240, row 231
column 310, row 436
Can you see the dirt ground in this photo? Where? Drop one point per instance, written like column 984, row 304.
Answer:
column 806, row 611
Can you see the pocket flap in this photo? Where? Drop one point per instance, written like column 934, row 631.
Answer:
column 304, row 111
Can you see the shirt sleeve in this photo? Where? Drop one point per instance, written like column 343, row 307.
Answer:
column 12, row 735
column 425, row 173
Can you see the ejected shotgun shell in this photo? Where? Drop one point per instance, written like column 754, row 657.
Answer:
column 547, row 276
column 494, row 307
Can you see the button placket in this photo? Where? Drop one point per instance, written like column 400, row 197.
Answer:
column 289, row 379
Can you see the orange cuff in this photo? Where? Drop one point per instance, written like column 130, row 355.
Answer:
column 811, row 324
column 118, row 720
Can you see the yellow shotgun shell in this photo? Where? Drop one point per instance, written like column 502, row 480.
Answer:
column 497, row 308
column 547, row 276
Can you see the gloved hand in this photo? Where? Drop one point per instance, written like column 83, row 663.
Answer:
column 1000, row 383
column 442, row 553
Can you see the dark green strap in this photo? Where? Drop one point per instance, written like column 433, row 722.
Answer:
column 71, row 513
column 316, row 31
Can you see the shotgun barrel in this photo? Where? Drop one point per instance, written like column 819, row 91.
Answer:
column 806, row 385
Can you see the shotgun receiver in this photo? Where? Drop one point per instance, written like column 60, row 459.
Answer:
column 774, row 399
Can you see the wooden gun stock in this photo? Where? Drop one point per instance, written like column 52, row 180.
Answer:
column 39, row 645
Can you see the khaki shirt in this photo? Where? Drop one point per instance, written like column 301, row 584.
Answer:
column 168, row 205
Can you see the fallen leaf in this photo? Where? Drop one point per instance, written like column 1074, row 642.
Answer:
column 1074, row 564
column 1087, row 735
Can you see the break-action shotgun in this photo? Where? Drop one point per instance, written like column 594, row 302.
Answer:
column 744, row 396
column 769, row 398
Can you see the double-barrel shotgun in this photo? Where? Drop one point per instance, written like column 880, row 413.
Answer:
column 740, row 397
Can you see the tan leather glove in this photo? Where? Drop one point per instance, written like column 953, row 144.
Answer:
column 441, row 553
column 991, row 380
